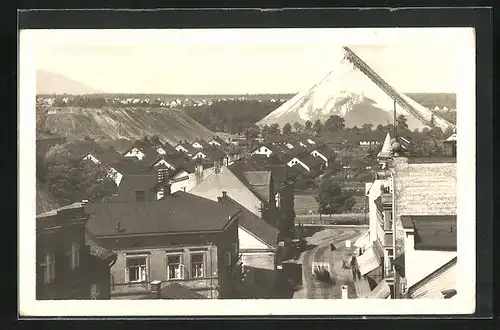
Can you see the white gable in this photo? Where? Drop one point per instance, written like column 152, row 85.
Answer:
column 161, row 151
column 249, row 241
column 197, row 145
column 213, row 142
column 92, row 158
column 316, row 153
column 295, row 160
column 164, row 163
column 310, row 141
column 200, row 154
column 289, row 146
column 135, row 152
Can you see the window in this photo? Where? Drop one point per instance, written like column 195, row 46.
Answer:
column 197, row 265
column 140, row 195
column 174, row 267
column 227, row 258
column 136, row 270
column 390, row 252
column 49, row 267
column 94, row 291
column 75, row 255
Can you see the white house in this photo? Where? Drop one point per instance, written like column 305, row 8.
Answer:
column 310, row 141
column 302, row 144
column 161, row 151
column 316, row 153
column 163, row 162
column 91, row 157
column 289, row 145
column 135, row 152
column 262, row 150
column 197, row 145
column 185, row 181
column 295, row 161
column 200, row 154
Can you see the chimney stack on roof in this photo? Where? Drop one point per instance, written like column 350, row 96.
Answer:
column 224, row 194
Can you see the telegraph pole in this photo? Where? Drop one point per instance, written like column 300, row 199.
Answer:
column 395, row 122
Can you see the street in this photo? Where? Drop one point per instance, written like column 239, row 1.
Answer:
column 314, row 289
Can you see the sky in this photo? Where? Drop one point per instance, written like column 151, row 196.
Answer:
column 247, row 61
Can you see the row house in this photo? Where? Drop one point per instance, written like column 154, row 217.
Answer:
column 70, row 263
column 141, row 151
column 159, row 242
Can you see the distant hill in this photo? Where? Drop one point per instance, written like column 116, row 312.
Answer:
column 115, row 123
column 54, row 83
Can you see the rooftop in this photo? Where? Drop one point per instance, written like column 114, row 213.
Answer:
column 176, row 213
column 433, row 232
column 254, row 224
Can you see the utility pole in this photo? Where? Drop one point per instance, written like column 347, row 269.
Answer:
column 395, row 122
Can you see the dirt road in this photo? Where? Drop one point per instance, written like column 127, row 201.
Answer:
column 311, row 287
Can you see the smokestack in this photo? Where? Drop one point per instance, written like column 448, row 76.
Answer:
column 224, row 194
column 219, row 199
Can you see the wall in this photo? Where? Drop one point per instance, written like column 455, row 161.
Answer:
column 69, row 283
column 249, row 241
column 260, row 275
column 419, row 264
column 157, row 249
column 373, row 194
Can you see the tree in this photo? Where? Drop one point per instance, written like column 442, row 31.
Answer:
column 265, row 130
column 368, row 127
column 308, row 125
column 145, row 139
column 433, row 121
column 380, row 128
column 334, row 123
column 75, row 180
column 274, row 130
column 329, row 197
column 297, row 127
column 349, row 203
column 318, row 127
column 287, row 129
column 251, row 132
column 401, row 122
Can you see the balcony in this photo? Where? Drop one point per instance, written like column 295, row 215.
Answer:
column 386, row 199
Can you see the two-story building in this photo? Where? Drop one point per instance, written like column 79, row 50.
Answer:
column 170, row 240
column 70, row 263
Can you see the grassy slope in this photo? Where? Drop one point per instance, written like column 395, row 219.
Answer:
column 113, row 123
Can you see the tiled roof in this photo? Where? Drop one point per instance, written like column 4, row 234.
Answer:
column 254, row 224
column 132, row 182
column 108, row 156
column 62, row 208
column 130, row 166
column 258, row 182
column 425, row 189
column 176, row 213
column 96, row 249
column 169, row 149
column 120, row 145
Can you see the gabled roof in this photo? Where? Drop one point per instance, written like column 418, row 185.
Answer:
column 80, row 148
column 120, row 145
column 259, row 182
column 176, row 213
column 133, row 182
column 149, row 151
column 435, row 284
column 452, row 137
column 254, row 224
column 386, row 150
column 169, row 149
column 219, row 140
column 213, row 185
column 202, row 142
column 108, row 156
column 130, row 166
column 190, row 149
column 212, row 153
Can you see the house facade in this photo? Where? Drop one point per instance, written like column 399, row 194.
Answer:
column 262, row 150
column 171, row 240
column 69, row 263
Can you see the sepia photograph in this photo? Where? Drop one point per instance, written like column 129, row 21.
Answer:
column 244, row 170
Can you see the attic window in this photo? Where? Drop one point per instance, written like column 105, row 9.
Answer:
column 140, row 195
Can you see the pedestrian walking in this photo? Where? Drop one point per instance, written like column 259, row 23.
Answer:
column 332, row 247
